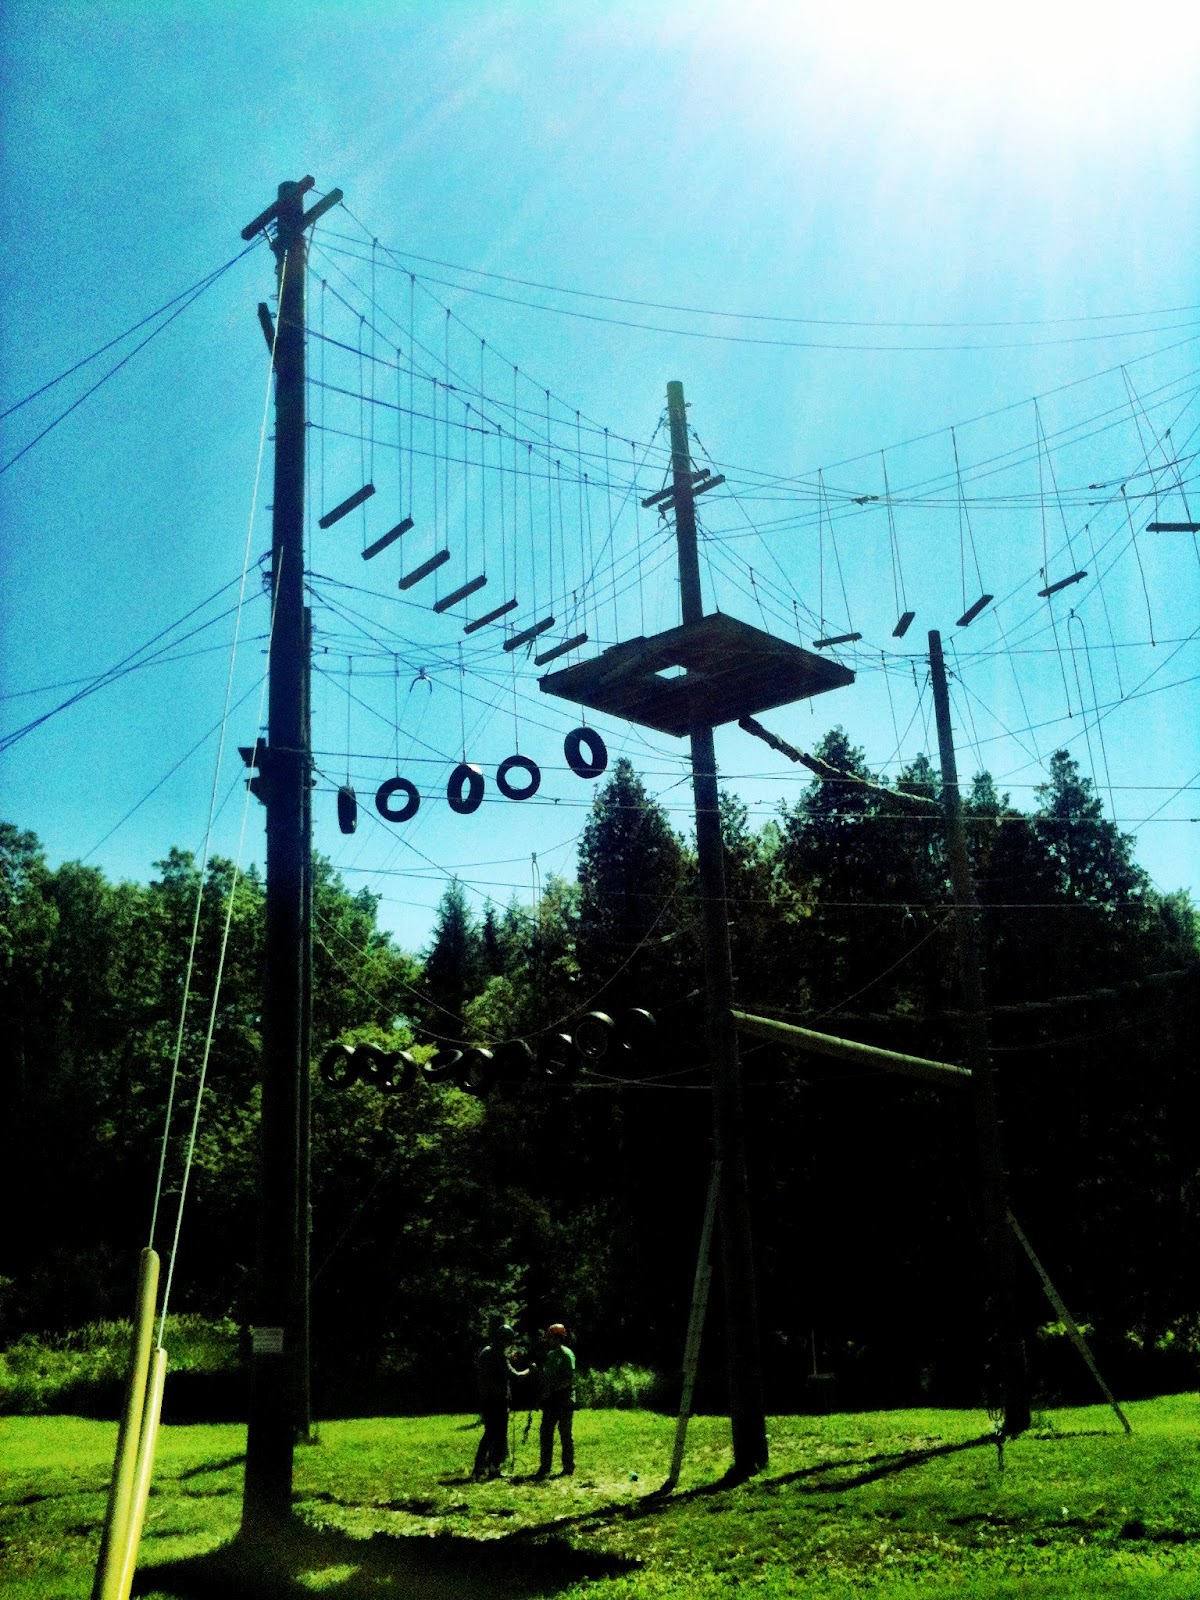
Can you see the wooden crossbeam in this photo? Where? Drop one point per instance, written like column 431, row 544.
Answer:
column 1173, row 527
column 860, row 1055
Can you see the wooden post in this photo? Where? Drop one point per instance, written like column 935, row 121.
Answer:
column 286, row 771
column 1014, row 1380
column 695, row 1329
column 1074, row 1331
column 746, row 1414
column 113, row 1544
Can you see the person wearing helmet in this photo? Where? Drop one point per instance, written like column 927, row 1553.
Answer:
column 494, row 1372
column 558, row 1400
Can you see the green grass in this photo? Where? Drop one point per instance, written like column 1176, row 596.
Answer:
column 881, row 1505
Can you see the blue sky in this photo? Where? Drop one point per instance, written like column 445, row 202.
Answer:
column 958, row 214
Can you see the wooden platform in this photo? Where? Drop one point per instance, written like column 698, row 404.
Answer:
column 701, row 674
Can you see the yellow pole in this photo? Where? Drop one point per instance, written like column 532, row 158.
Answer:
column 116, row 1523
column 145, row 1470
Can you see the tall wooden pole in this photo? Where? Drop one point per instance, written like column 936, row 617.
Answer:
column 747, row 1418
column 1014, row 1383
column 286, row 764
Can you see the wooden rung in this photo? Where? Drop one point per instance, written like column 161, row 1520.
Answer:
column 837, row 638
column 1173, row 527
column 1063, row 583
column 972, row 612
column 387, row 538
column 905, row 623
column 347, row 506
column 560, row 649
column 490, row 616
column 460, row 593
column 526, row 634
column 424, row 569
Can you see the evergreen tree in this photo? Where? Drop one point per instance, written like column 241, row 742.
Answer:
column 453, row 969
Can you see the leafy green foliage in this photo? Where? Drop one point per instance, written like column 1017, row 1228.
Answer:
column 580, row 1200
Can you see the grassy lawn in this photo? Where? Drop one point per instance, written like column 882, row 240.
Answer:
column 900, row 1505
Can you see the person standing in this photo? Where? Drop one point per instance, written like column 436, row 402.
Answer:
column 494, row 1372
column 558, row 1401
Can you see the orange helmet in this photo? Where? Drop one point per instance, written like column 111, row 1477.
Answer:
column 556, row 1331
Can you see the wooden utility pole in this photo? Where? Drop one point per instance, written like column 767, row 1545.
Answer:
column 279, row 1337
column 1014, row 1382
column 747, row 1418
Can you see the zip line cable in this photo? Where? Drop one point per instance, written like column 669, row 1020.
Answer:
column 191, row 960
column 126, row 665
column 200, row 284
column 193, row 296
column 791, row 344
column 750, row 316
column 170, row 773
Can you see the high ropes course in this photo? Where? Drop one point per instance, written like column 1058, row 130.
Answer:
column 491, row 609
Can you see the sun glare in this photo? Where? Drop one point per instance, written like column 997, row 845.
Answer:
column 1091, row 65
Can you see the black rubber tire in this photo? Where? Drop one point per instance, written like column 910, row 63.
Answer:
column 518, row 764
column 597, row 750
column 462, row 803
column 384, row 794
column 347, row 804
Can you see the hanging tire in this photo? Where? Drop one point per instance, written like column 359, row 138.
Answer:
column 400, row 813
column 514, row 1061
column 402, row 1073
column 556, row 1056
column 465, row 776
column 442, row 1066
column 476, row 1070
column 596, row 748
column 593, row 1035
column 347, row 804
column 337, row 1065
column 518, row 764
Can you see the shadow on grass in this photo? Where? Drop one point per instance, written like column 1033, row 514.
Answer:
column 211, row 1466
column 825, row 1477
column 445, row 1567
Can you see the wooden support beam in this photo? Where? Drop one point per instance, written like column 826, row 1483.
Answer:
column 851, row 1050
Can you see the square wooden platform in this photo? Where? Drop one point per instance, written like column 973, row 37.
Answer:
column 702, row 673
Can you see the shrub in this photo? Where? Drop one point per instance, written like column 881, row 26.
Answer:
column 84, row 1371
column 621, row 1388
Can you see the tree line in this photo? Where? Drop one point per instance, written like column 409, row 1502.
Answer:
column 579, row 1198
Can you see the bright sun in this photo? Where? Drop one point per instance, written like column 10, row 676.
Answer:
column 1090, row 64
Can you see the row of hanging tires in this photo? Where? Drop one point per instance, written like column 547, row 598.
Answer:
column 595, row 1041
column 517, row 778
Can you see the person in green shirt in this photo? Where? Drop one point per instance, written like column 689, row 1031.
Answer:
column 558, row 1400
